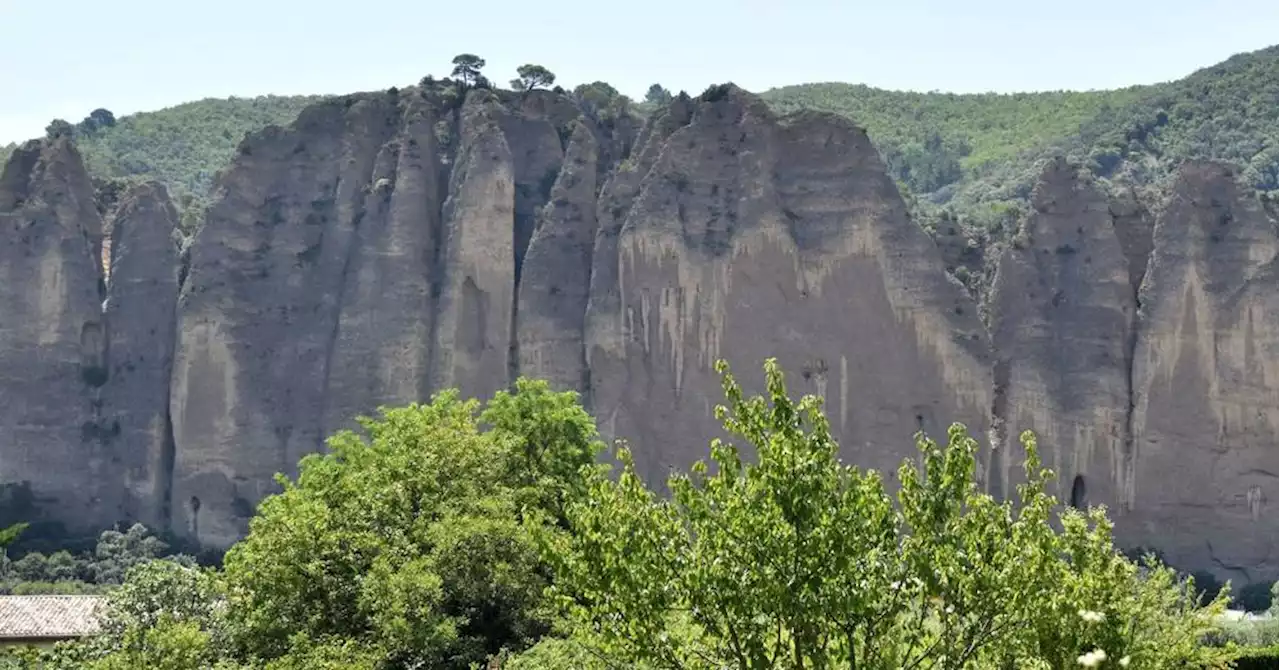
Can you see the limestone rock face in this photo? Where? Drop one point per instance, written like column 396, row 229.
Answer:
column 259, row 310
column 1062, row 311
column 473, row 342
column 602, row 322
column 557, row 272
column 367, row 255
column 55, row 465
column 381, row 351
column 388, row 245
column 1205, row 391
column 140, row 316
column 751, row 237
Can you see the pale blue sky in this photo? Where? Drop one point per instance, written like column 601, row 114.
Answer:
column 63, row 59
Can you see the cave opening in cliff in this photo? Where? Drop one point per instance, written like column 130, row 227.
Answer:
column 1079, row 493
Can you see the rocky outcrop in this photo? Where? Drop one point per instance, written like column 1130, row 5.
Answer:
column 388, row 245
column 259, row 310
column 365, row 256
column 473, row 344
column 750, row 237
column 54, row 461
column 557, row 271
column 381, row 348
column 1062, row 316
column 140, row 316
column 1205, row 460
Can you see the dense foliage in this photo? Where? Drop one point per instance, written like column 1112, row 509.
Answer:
column 799, row 561
column 411, row 541
column 96, row 571
column 974, row 156
column 445, row 536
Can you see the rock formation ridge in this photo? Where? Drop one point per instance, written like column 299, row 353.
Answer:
column 387, row 245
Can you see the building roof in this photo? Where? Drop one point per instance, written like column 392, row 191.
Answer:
column 54, row 617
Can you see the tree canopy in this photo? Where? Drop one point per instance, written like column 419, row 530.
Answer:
column 531, row 76
column 466, row 67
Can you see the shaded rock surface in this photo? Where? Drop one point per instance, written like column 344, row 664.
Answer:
column 387, row 245
column 56, row 464
column 1062, row 312
column 140, row 316
column 749, row 237
column 1204, row 478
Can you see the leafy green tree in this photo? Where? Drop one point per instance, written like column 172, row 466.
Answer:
column 97, row 119
column 11, row 534
column 598, row 94
column 466, row 67
column 532, row 76
column 167, row 645
column 30, row 568
column 657, row 95
column 117, row 552
column 162, row 588
column 103, row 118
column 798, row 561
column 59, row 128
column 415, row 539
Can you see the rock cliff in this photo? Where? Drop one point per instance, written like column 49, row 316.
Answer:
column 387, row 245
column 1063, row 313
column 1203, row 485
column 751, row 236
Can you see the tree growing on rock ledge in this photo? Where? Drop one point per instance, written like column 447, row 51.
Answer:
column 466, row 67
column 532, row 76
column 59, row 128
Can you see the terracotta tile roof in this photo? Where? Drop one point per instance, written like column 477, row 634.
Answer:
column 48, row 616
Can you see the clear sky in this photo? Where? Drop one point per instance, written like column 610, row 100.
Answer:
column 63, row 59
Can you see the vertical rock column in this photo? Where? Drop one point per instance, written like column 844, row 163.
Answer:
column 53, row 466
column 259, row 310
column 1204, row 490
column 473, row 328
column 557, row 270
column 141, row 317
column 1062, row 314
column 382, row 350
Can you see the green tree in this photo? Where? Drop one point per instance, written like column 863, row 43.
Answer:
column 97, row 119
column 467, row 68
column 797, row 561
column 657, row 95
column 117, row 552
column 167, row 645
column 414, row 539
column 532, row 76
column 11, row 534
column 59, row 128
column 162, row 588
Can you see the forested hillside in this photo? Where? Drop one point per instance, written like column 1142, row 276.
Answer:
column 964, row 158
column 977, row 155
column 183, row 146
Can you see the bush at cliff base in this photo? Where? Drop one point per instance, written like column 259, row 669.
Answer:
column 797, row 560
column 432, row 540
